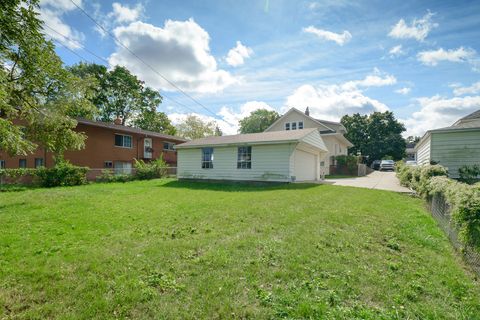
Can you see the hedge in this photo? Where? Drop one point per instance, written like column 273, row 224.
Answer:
column 463, row 199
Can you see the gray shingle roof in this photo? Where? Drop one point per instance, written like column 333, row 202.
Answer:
column 253, row 138
column 471, row 116
column 123, row 128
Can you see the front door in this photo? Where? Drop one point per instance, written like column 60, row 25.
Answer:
column 147, row 148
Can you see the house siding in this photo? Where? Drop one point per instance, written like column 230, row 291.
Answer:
column 423, row 151
column 295, row 116
column 455, row 149
column 330, row 142
column 269, row 163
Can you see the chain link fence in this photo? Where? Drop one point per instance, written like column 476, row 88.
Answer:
column 441, row 212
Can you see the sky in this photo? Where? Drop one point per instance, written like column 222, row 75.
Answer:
column 222, row 60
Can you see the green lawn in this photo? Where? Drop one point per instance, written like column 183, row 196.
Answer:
column 165, row 249
column 339, row 176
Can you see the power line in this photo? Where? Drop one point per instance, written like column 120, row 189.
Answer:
column 143, row 61
column 101, row 58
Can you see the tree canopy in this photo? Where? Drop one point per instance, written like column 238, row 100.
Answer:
column 38, row 95
column 193, row 127
column 258, row 121
column 377, row 135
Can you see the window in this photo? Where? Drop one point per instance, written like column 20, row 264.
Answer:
column 123, row 167
column 108, row 164
column 244, row 159
column 123, row 141
column 38, row 162
column 287, row 125
column 300, row 124
column 168, row 146
column 207, row 158
column 22, row 163
column 2, row 164
column 294, row 126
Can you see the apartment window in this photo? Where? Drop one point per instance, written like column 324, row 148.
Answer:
column 168, row 146
column 39, row 162
column 287, row 125
column 123, row 141
column 244, row 159
column 22, row 163
column 300, row 124
column 207, row 158
column 108, row 164
column 294, row 126
column 2, row 164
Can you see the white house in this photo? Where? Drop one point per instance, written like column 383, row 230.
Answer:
column 330, row 132
column 283, row 156
column 453, row 146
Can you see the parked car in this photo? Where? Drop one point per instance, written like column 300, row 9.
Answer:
column 411, row 163
column 375, row 164
column 387, row 165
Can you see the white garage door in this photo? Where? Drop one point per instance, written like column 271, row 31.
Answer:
column 305, row 166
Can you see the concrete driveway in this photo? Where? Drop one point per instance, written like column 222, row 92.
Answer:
column 375, row 180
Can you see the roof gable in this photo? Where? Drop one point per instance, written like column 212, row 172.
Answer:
column 321, row 125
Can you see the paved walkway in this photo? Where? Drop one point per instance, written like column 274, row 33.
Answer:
column 375, row 180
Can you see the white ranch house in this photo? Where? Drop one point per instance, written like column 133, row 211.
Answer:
column 296, row 147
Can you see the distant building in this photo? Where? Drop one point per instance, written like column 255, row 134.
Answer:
column 410, row 152
column 453, row 146
column 108, row 146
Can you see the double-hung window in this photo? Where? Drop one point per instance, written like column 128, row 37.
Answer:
column 300, row 125
column 244, row 158
column 294, row 126
column 123, row 141
column 287, row 126
column 207, row 158
column 2, row 164
column 38, row 162
column 22, row 163
column 168, row 146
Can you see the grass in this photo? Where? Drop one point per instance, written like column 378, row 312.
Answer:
column 165, row 249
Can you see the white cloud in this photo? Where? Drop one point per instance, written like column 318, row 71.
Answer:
column 473, row 89
column 331, row 102
column 433, row 57
column 51, row 12
column 418, row 29
column 403, row 91
column 339, row 38
column 179, row 51
column 236, row 56
column 123, row 14
column 228, row 120
column 437, row 112
column 396, row 51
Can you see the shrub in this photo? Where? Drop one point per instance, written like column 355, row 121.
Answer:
column 418, row 177
column 464, row 201
column 62, row 174
column 469, row 174
column 348, row 161
column 109, row 176
column 14, row 175
column 150, row 170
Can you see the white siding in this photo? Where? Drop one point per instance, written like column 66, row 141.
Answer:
column 295, row 116
column 335, row 148
column 269, row 163
column 423, row 151
column 455, row 149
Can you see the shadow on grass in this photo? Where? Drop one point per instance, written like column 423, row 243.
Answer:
column 236, row 186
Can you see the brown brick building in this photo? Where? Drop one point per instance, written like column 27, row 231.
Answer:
column 107, row 146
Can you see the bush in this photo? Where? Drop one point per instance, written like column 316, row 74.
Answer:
column 350, row 162
column 469, row 174
column 418, row 177
column 150, row 170
column 109, row 176
column 15, row 175
column 464, row 201
column 62, row 174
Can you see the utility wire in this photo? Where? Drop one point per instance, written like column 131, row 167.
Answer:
column 101, row 58
column 143, row 61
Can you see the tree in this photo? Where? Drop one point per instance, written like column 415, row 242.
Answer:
column 377, row 135
column 413, row 139
column 38, row 95
column 258, row 121
column 194, row 128
column 155, row 121
column 120, row 94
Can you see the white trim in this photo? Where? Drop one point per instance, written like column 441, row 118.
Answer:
column 300, row 112
column 123, row 135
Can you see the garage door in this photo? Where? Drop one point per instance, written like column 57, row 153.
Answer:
column 305, row 166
